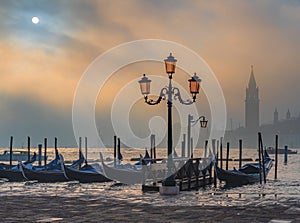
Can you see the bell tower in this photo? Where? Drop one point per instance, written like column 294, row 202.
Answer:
column 275, row 120
column 252, row 104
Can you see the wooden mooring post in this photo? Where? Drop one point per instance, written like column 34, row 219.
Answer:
column 205, row 148
column 45, row 152
column 10, row 151
column 28, row 148
column 215, row 151
column 240, row 153
column 227, row 155
column 40, row 154
column 152, row 145
column 259, row 157
column 276, row 156
column 285, row 155
column 55, row 147
column 262, row 159
column 119, row 151
column 115, row 150
column 86, row 150
column 80, row 148
column 221, row 152
column 183, row 146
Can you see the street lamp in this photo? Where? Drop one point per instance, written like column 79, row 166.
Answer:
column 168, row 93
column 203, row 124
column 194, row 86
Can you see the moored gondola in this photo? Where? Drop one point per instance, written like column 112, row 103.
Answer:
column 247, row 174
column 128, row 174
column 86, row 174
column 14, row 174
column 50, row 175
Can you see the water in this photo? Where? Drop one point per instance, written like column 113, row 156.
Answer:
column 286, row 187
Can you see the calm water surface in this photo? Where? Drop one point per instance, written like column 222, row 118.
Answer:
column 286, row 187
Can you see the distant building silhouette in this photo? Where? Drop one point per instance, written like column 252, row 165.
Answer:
column 288, row 115
column 252, row 105
column 288, row 128
column 275, row 120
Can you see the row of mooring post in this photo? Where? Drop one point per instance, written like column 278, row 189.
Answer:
column 29, row 152
column 219, row 150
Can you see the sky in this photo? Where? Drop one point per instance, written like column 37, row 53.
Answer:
column 41, row 64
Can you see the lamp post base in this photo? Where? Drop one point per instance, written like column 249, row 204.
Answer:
column 169, row 186
column 169, row 190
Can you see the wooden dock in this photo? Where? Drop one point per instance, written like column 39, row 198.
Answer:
column 192, row 175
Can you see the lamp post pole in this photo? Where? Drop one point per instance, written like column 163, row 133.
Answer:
column 190, row 118
column 168, row 93
column 203, row 124
column 170, row 135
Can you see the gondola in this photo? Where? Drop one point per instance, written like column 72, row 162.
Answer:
column 14, row 174
column 247, row 174
column 85, row 174
column 16, row 156
column 127, row 174
column 146, row 158
column 51, row 173
column 272, row 150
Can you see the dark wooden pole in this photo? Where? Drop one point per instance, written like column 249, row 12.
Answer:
column 40, row 154
column 263, row 160
column 80, row 148
column 227, row 155
column 55, row 147
column 115, row 149
column 183, row 146
column 276, row 156
column 241, row 153
column 28, row 148
column 119, row 149
column 205, row 148
column 221, row 153
column 213, row 142
column 192, row 146
column 216, row 160
column 259, row 157
column 10, row 151
column 151, row 147
column 285, row 155
column 86, row 151
column 45, row 152
column 190, row 118
column 80, row 152
column 154, row 148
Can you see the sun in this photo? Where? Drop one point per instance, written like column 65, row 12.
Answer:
column 35, row 20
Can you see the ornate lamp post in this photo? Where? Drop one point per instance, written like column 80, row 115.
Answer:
column 168, row 93
column 203, row 124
